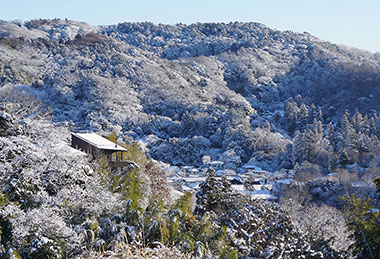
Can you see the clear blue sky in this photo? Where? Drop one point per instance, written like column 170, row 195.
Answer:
column 351, row 22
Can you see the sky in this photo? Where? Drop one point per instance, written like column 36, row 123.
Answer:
column 351, row 22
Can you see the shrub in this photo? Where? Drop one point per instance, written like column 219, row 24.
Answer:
column 364, row 222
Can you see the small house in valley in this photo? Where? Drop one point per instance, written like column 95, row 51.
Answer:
column 99, row 147
column 216, row 165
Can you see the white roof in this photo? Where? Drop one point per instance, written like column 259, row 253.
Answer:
column 258, row 195
column 239, row 187
column 98, row 141
column 194, row 185
column 253, row 167
column 192, row 179
column 216, row 163
column 262, row 196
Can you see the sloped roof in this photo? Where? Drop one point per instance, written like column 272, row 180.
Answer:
column 98, row 141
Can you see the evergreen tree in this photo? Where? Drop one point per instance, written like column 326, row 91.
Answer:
column 308, row 145
column 318, row 114
column 344, row 158
column 291, row 115
column 348, row 134
column 331, row 137
column 312, row 113
column 298, row 148
column 317, row 131
column 366, row 127
column 363, row 143
column 298, row 99
column 374, row 145
column 332, row 160
column 214, row 195
column 345, row 122
column 312, row 138
column 373, row 124
column 357, row 121
column 304, row 115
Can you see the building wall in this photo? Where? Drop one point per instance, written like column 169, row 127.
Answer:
column 80, row 144
column 88, row 148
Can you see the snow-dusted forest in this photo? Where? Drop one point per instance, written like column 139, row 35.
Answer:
column 177, row 96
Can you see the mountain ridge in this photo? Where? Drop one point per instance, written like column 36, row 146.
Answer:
column 284, row 116
column 209, row 84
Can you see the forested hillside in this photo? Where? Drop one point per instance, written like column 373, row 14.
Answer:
column 235, row 92
column 196, row 88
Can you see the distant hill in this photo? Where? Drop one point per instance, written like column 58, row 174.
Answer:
column 187, row 90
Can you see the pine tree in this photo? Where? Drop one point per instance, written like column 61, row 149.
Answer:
column 332, row 160
column 312, row 113
column 331, row 137
column 308, row 145
column 348, row 134
column 318, row 114
column 374, row 145
column 291, row 115
column 373, row 124
column 366, row 127
column 363, row 142
column 317, row 131
column 357, row 121
column 304, row 114
column 345, row 122
column 213, row 195
column 298, row 148
column 344, row 158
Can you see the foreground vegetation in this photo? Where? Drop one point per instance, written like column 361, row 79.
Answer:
column 101, row 213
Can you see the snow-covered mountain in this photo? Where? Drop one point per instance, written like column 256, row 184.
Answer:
column 187, row 90
column 300, row 109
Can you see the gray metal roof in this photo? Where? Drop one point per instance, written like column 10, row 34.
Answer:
column 98, row 141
